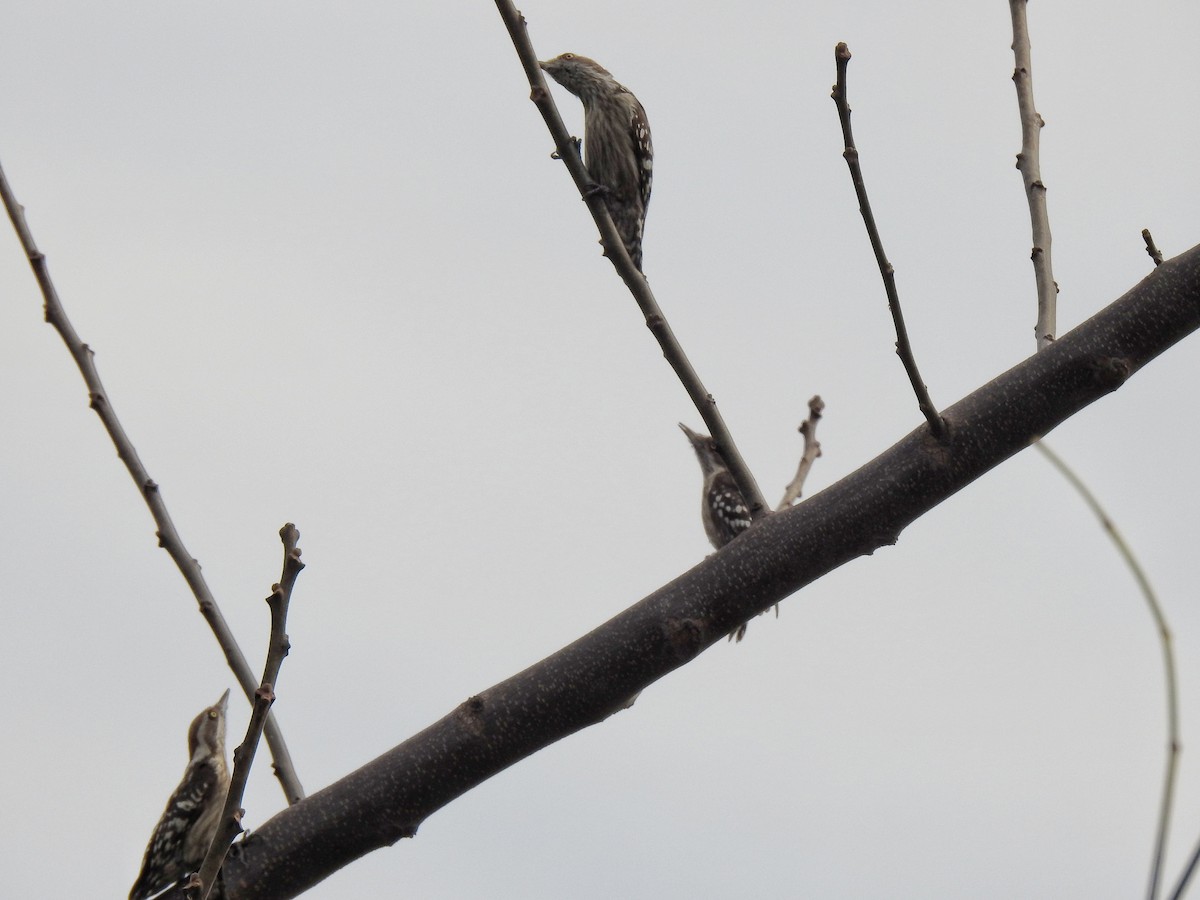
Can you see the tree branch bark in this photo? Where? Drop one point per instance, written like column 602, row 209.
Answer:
column 589, row 680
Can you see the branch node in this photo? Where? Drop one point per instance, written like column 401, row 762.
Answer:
column 1112, row 371
column 470, row 712
column 685, row 637
column 1151, row 248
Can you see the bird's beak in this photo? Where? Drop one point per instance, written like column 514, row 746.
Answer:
column 692, row 436
column 224, row 701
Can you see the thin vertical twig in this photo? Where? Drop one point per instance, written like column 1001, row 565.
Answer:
column 1029, row 164
column 904, row 349
column 201, row 884
column 168, row 535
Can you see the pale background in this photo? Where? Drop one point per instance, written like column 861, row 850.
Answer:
column 333, row 277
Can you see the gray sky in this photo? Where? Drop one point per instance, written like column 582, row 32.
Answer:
column 333, row 277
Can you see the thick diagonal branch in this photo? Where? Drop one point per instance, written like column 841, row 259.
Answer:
column 580, row 685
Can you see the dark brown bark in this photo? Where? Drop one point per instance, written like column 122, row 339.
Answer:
column 589, row 680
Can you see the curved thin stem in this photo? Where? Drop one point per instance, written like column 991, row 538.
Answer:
column 1164, row 637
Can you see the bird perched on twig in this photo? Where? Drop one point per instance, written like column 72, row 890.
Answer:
column 189, row 823
column 617, row 149
column 723, row 509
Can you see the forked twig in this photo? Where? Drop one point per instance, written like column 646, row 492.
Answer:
column 567, row 149
column 841, row 56
column 168, row 536
column 812, row 449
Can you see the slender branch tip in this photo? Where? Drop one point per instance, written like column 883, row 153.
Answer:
column 886, row 269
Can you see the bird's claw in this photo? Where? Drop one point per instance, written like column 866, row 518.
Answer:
column 575, row 144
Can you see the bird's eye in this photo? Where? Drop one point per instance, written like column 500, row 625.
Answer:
column 568, row 56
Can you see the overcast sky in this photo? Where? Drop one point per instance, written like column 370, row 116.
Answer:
column 333, row 277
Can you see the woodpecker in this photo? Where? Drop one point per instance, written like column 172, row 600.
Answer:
column 189, row 823
column 723, row 509
column 617, row 149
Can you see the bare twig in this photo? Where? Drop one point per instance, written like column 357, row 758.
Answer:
column 1185, row 879
column 812, row 449
column 199, row 887
column 1164, row 638
column 1151, row 248
column 567, row 149
column 841, row 55
column 168, row 536
column 1029, row 163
